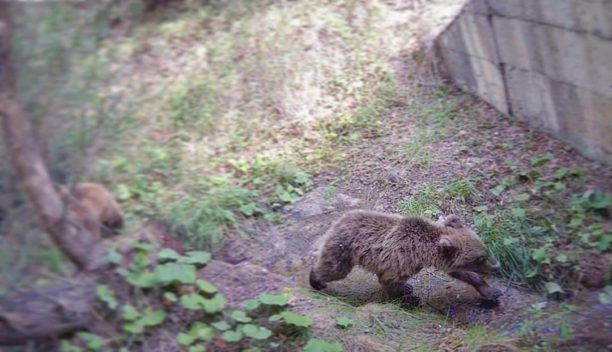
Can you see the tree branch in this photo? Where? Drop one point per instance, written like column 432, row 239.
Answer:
column 79, row 244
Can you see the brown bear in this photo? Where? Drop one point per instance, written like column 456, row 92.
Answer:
column 96, row 208
column 395, row 248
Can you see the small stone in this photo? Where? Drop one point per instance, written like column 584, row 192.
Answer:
column 393, row 177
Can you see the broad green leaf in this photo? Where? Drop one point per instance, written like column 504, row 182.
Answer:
column 129, row 312
column 168, row 254
column 123, row 192
column 251, row 304
column 133, row 327
column 497, row 190
column 316, row 345
column 170, row 296
column 232, row 336
column 240, row 317
column 196, row 257
column 518, row 212
column 561, row 258
column 152, row 317
column 192, row 301
column 185, row 339
column 107, row 296
column 66, row 346
column 198, row 348
column 540, row 255
column 274, row 300
column 145, row 247
column 142, row 279
column 256, row 332
column 174, row 272
column 539, row 161
column 553, row 287
column 561, row 173
column 291, row 318
column 221, row 325
column 93, row 342
column 215, row 304
column 249, row 209
column 344, row 322
column 522, row 197
column 301, row 178
column 206, row 286
column 201, row 331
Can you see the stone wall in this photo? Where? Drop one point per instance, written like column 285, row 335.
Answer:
column 547, row 62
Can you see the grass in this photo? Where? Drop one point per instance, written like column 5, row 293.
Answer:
column 208, row 116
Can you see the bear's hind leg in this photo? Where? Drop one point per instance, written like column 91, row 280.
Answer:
column 400, row 289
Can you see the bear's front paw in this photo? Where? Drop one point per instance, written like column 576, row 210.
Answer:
column 316, row 284
column 491, row 293
column 410, row 301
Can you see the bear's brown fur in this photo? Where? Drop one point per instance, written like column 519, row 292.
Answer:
column 96, row 208
column 395, row 248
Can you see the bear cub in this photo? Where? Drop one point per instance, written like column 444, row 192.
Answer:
column 396, row 247
column 96, row 207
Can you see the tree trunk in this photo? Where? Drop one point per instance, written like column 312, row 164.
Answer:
column 66, row 231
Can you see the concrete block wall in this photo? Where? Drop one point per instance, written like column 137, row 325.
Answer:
column 547, row 62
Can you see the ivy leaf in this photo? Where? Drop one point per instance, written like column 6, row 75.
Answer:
column 152, row 317
column 316, row 345
column 206, row 286
column 561, row 173
column 274, row 300
column 553, row 287
column 240, row 317
column 518, row 212
column 143, row 279
column 185, row 339
column 251, row 304
column 539, row 161
column 232, row 336
column 221, row 325
column 196, row 257
column 133, row 327
column 198, row 348
column 215, row 304
column 497, row 190
column 168, row 254
column 123, row 192
column 540, row 255
column 192, row 301
column 93, row 342
column 344, row 322
column 201, row 331
column 256, row 332
column 173, row 272
column 107, row 296
column 301, row 178
column 522, row 197
column 129, row 312
column 170, row 296
column 142, row 246
column 294, row 319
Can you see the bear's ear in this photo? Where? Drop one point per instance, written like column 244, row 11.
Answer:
column 446, row 245
column 453, row 221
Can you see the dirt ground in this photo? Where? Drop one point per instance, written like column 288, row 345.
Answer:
column 286, row 249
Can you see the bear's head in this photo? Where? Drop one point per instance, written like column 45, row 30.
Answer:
column 463, row 248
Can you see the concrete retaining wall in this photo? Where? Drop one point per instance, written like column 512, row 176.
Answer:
column 548, row 62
